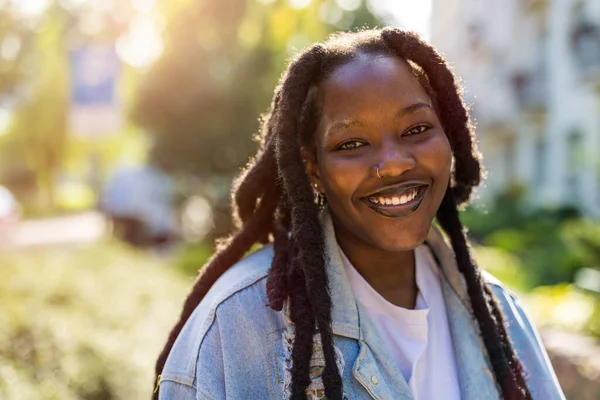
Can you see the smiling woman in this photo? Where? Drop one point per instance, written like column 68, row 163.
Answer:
column 397, row 143
column 356, row 294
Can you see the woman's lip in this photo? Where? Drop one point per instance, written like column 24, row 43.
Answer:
column 399, row 210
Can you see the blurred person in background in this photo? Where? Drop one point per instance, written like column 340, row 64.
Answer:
column 140, row 203
column 357, row 293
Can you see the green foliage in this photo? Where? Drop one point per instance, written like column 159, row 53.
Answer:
column 561, row 305
column 85, row 323
column 583, row 237
column 550, row 244
column 506, row 212
column 11, row 29
column 36, row 137
column 192, row 258
column 542, row 250
column 593, row 323
column 501, row 263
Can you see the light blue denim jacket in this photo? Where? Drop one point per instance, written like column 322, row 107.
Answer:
column 234, row 347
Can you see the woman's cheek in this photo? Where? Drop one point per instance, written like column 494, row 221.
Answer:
column 343, row 176
column 440, row 154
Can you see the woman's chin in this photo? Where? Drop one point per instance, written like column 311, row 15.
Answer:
column 395, row 242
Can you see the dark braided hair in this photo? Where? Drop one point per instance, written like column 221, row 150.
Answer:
column 273, row 197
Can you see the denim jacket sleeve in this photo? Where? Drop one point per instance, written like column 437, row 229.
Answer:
column 540, row 376
column 189, row 387
column 198, row 366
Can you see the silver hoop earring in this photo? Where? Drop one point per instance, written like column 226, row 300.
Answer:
column 377, row 170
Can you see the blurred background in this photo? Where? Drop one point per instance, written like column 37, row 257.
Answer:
column 123, row 122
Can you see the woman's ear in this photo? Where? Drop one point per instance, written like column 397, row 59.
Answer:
column 312, row 168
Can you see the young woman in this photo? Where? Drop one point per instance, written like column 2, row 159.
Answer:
column 356, row 293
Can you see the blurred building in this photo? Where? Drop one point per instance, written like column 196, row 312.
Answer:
column 531, row 69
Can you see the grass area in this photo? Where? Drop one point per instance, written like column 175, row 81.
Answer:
column 84, row 323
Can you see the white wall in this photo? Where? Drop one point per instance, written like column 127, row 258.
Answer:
column 534, row 137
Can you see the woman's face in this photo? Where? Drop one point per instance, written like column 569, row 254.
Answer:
column 375, row 115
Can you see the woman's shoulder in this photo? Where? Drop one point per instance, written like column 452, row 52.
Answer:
column 517, row 319
column 243, row 274
column 527, row 342
column 234, row 309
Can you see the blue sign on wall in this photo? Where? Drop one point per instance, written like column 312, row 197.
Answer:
column 94, row 71
column 95, row 110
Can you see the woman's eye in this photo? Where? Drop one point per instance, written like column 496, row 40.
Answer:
column 417, row 129
column 350, row 145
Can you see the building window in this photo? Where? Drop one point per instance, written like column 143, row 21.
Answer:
column 509, row 159
column 539, row 173
column 585, row 38
column 575, row 156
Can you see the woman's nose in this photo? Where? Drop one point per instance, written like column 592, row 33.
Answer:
column 393, row 160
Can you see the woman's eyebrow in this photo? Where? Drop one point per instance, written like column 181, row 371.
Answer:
column 343, row 124
column 353, row 123
column 412, row 108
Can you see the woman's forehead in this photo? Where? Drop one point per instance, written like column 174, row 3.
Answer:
column 367, row 82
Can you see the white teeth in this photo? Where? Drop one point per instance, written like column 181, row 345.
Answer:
column 406, row 197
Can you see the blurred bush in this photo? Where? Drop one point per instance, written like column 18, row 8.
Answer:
column 502, row 264
column 564, row 306
column 540, row 251
column 192, row 258
column 85, row 323
column 195, row 255
column 550, row 244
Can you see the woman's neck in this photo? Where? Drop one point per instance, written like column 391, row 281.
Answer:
column 391, row 274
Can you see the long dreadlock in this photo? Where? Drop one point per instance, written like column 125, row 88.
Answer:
column 273, row 196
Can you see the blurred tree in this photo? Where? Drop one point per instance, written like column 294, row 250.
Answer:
column 36, row 138
column 221, row 62
column 15, row 40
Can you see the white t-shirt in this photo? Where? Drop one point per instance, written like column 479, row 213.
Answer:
column 419, row 340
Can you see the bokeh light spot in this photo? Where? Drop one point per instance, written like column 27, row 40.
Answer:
column 330, row 13
column 298, row 4
column 349, row 5
column 10, row 47
column 142, row 44
column 5, row 119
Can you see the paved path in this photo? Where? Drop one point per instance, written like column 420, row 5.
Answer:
column 68, row 230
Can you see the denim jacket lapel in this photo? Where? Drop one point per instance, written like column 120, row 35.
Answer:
column 344, row 313
column 474, row 369
column 373, row 367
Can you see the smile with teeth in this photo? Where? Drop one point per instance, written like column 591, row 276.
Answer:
column 394, row 199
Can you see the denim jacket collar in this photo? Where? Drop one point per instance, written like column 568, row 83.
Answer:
column 474, row 368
